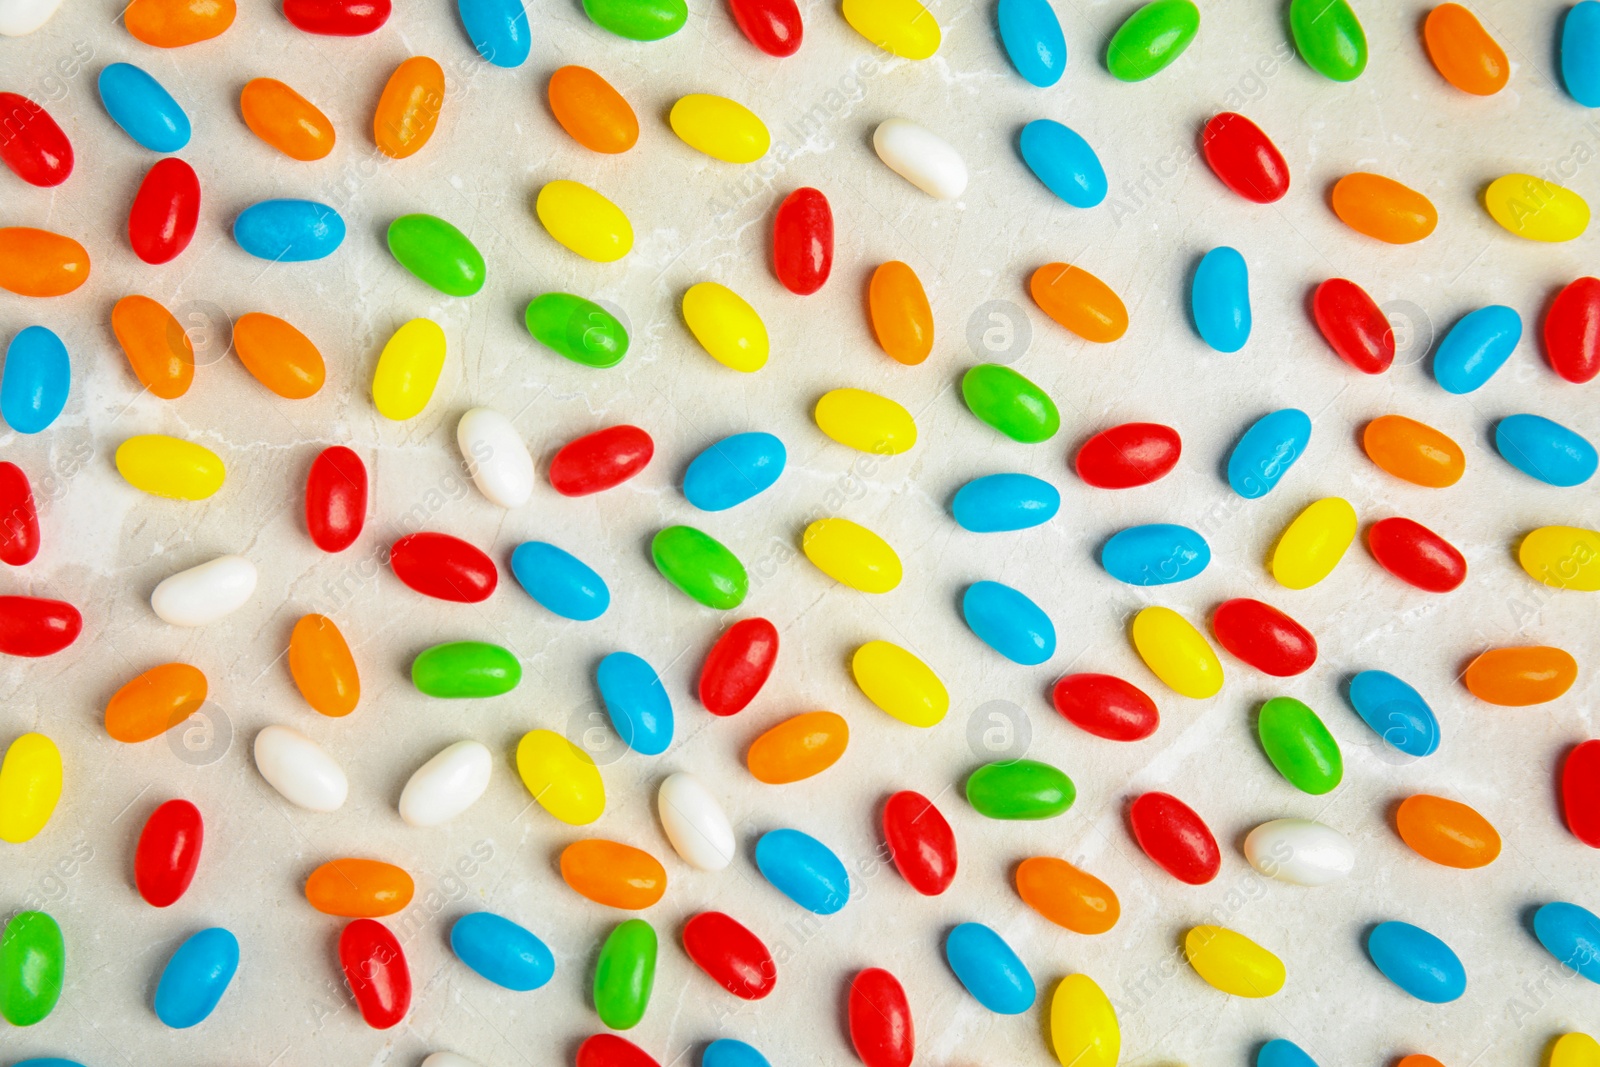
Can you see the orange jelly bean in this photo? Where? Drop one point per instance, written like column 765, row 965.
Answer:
column 157, row 347
column 286, row 120
column 1067, row 896
column 1079, row 301
column 408, row 110
column 1383, row 208
column 359, row 889
column 1518, row 677
column 798, row 748
column 324, row 670
column 591, row 111
column 1413, row 451
column 1447, row 832
column 40, row 263
column 281, row 357
column 175, row 23
column 900, row 314
column 1417, row 1059
column 613, row 874
column 1463, row 51
column 155, row 702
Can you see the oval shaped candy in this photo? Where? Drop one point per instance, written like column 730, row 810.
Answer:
column 323, row 669
column 1219, row 299
column 625, row 974
column 40, row 263
column 1572, row 325
column 881, row 1029
column 289, row 231
column 278, row 356
column 1061, row 159
column 1176, row 653
column 446, row 785
column 1353, row 325
column 1071, row 898
column 561, row 776
column 1545, row 450
column 798, row 748
column 196, row 977
column 1132, row 454
column 336, row 498
column 1300, row 746
column 443, row 567
column 700, row 566
column 1383, row 208
column 408, row 111
column 1476, row 347
column 1300, row 852
column 32, row 144
column 1083, row 1024
column 721, row 128
column 1008, row 622
column 157, row 346
column 1447, row 832
column 727, row 327
column 505, row 953
column 1032, row 37
column 866, row 422
column 802, row 238
column 1151, row 38
column 638, row 20
column 591, row 110
column 1264, row 637
column 1572, row 1050
column 1416, row 555
column 734, row 470
column 1329, row 37
column 1463, row 52
column 1396, row 712
column 902, row 27
column 30, row 786
column 143, row 108
column 609, row 1050
column 902, row 319
column 168, row 853
column 286, row 120
column 561, row 582
column 1417, row 962
column 737, row 666
column 1020, row 789
column 299, row 769
column 337, row 18
column 600, row 460
column 900, row 683
column 495, row 456
column 1314, row 543
column 36, row 626
column 730, row 955
column 205, row 593
column 375, row 968
column 1173, row 836
column 1572, row 935
column 773, row 26
column 35, row 381
column 1244, row 158
column 1283, row 1053
column 165, row 210
column 1565, row 557
column 804, row 870
column 999, row 503
column 1158, row 554
column 19, row 534
column 1106, row 706
column 915, row 152
column 852, row 554
column 1520, row 677
column 1233, row 963
column 584, row 221
column 498, row 30
column 1079, row 301
column 18, row 18
column 613, row 874
column 1580, row 45
column 920, row 841
column 359, row 888
column 636, row 701
column 1413, row 451
column 1267, row 450
column 578, row 329
column 1010, row 403
column 165, row 466
column 465, row 669
column 437, row 253
column 154, row 702
column 695, row 823
column 33, row 963
column 176, row 23
column 1536, row 209
column 989, row 969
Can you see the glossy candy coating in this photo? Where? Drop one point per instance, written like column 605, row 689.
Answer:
column 202, row 594
column 1031, row 35
column 879, row 1016
column 1383, row 208
column 609, row 1050
column 501, row 951
column 1264, row 637
column 1314, row 543
column 802, row 241
column 36, row 380
column 900, row 684
column 584, row 221
column 30, row 786
column 1106, row 706
column 1329, row 37
column 175, row 23
column 1281, row 1052
column 498, row 30
column 1580, row 47
column 561, row 582
column 601, row 460
column 1300, row 746
column 1066, row 163
column 40, row 263
column 702, row 568
column 1083, row 1024
column 1151, row 38
column 1079, row 301
column 1520, row 677
column 1176, row 652
column 1476, row 347
column 578, row 329
column 904, row 27
column 798, row 748
column 157, row 346
column 465, row 670
column 625, row 974
column 613, row 874
column 1129, row 455
column 284, row 119
column 1463, row 52
column 1536, row 209
column 804, row 870
column 920, row 842
column 196, row 977
column 359, row 888
column 1020, row 789
column 300, row 770
column 289, row 231
column 1572, row 327
column 1071, row 898
column 143, row 108
column 493, row 453
column 730, row 955
column 989, row 969
column 167, row 467
column 1417, row 962
column 998, row 503
column 154, row 702
column 443, row 567
column 31, row 144
column 1233, row 963
column 591, row 110
column 278, row 355
column 408, row 111
column 19, row 528
column 1300, row 852
column 1157, row 554
column 1396, row 712
column 1571, row 934
column 636, row 701
column 1447, row 832
column 1572, row 1050
column 1580, row 792
column 1416, row 555
column 448, row 784
column 168, row 853
column 561, row 776
column 1010, row 403
column 36, row 626
column 773, row 26
column 695, row 823
column 1413, row 451
column 337, row 18
column 902, row 319
column 733, row 470
column 738, row 665
column 727, row 327
column 32, row 967
column 1219, row 299
column 165, row 210
column 1267, row 450
column 336, row 498
column 1244, row 158
column 1173, row 836
column 852, row 554
column 915, row 152
column 1008, row 622
column 638, row 20
column 375, row 968
column 721, row 128
column 1545, row 450
column 1353, row 325
column 437, row 253
column 18, row 18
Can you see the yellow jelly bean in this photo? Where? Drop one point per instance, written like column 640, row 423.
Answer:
column 1567, row 557
column 1536, row 209
column 852, row 554
column 903, row 27
column 408, row 370
column 900, row 683
column 561, row 776
column 1314, row 543
column 1177, row 653
column 721, row 128
column 30, row 785
column 1083, row 1024
column 166, row 466
column 1574, row 1050
column 866, row 422
column 726, row 326
column 584, row 221
column 1232, row 962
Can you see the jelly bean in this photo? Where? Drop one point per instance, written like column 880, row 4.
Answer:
column 1580, row 47
column 1061, row 159
column 1572, row 935
column 902, row 321
column 1264, row 637
column 584, row 221
column 1580, row 792
column 1083, row 1024
column 591, row 111
column 30, row 786
column 1463, row 52
column 279, row 356
column 289, row 231
column 1314, row 543
column 19, row 530
column 495, row 456
column 1010, row 403
column 1020, row 789
column 1396, row 712
column 561, row 776
column 1537, row 209
column 1283, row 1053
column 286, row 120
column 447, row 785
column 609, row 1050
column 700, row 566
column 1175, row 838
column 625, row 974
column 1031, row 35
column 1413, row 451
column 903, row 27
column 1008, row 622
column 1417, row 962
column 300, row 770
column 1329, row 37
column 734, row 470
column 40, row 263
column 437, row 253
column 1151, row 38
column 375, row 969
column 501, row 951
column 727, row 327
column 1571, row 331
column 638, row 20
column 1383, row 208
column 920, row 841
column 1106, row 706
column 1266, row 451
column 852, row 554
column 879, row 1015
column 168, row 853
column 1176, row 653
column 336, row 498
column 37, row 377
column 721, row 128
column 1416, row 555
column 358, row 888
column 637, row 702
column 1244, row 158
column 695, row 823
column 1353, row 325
column 802, row 241
column 31, row 143
column 143, row 108
column 1476, row 347
column 578, row 329
column 1220, row 299
column 1300, row 852
column 1079, row 301
column 157, row 347
column 196, row 977
column 1545, row 450
column 915, row 152
column 1158, row 554
column 561, row 582
column 1418, row 1060
column 1522, row 676
column 204, row 593
column 613, row 874
column 154, row 702
column 730, row 955
column 1300, row 746
column 804, row 870
column 322, row 667
column 35, row 626
column 408, row 110
column 175, row 23
column 773, row 26
column 1132, row 454
column 32, row 967
column 337, row 18
column 737, row 666
column 989, row 969
column 900, row 684
column 465, row 669
column 798, row 748
column 498, row 30
column 165, row 466
column 1233, row 963
column 18, row 18
column 1574, row 1050
column 997, row 503
column 1447, row 832
column 1071, row 898
column 600, row 460
column 444, row 567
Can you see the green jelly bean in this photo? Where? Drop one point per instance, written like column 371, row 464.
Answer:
column 33, row 964
column 1151, row 38
column 1010, row 403
column 438, row 253
column 1329, row 37
column 638, row 20
column 1300, row 746
column 465, row 669
column 579, row 329
column 625, row 974
column 1020, row 789
column 701, row 566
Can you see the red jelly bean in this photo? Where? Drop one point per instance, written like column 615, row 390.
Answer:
column 1415, row 554
column 19, row 519
column 733, row 956
column 1264, row 637
column 444, row 567
column 1580, row 792
column 802, row 241
column 165, row 210
column 336, row 498
column 1245, row 158
column 1106, row 706
column 1353, row 326
column 375, row 967
column 920, row 841
column 773, row 26
column 600, row 460
column 1172, row 835
column 1135, row 453
column 609, row 1050
column 337, row 18
column 34, row 626
column 738, row 665
column 31, row 143
column 880, row 1020
column 168, row 853
column 1572, row 331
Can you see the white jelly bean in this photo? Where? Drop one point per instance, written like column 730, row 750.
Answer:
column 1300, row 851
column 18, row 18
column 448, row 1059
column 695, row 822
column 298, row 768
column 205, row 593
column 500, row 464
column 447, row 785
column 921, row 157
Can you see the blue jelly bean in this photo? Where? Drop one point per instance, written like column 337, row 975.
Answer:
column 1283, row 1053
column 501, row 951
column 33, row 387
column 1417, row 962
column 498, row 29
column 47, row 1061
column 1572, row 935
column 1064, row 162
column 726, row 1052
column 1580, row 52
column 1033, row 41
column 989, row 969
column 196, row 977
column 1158, row 554
column 145, row 111
column 1267, row 450
column 561, row 582
column 1545, row 450
column 1476, row 346
column 733, row 470
column 289, row 231
column 1000, row 502
column 637, row 702
column 1396, row 712
column 804, row 870
column 1220, row 299
column 1009, row 623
